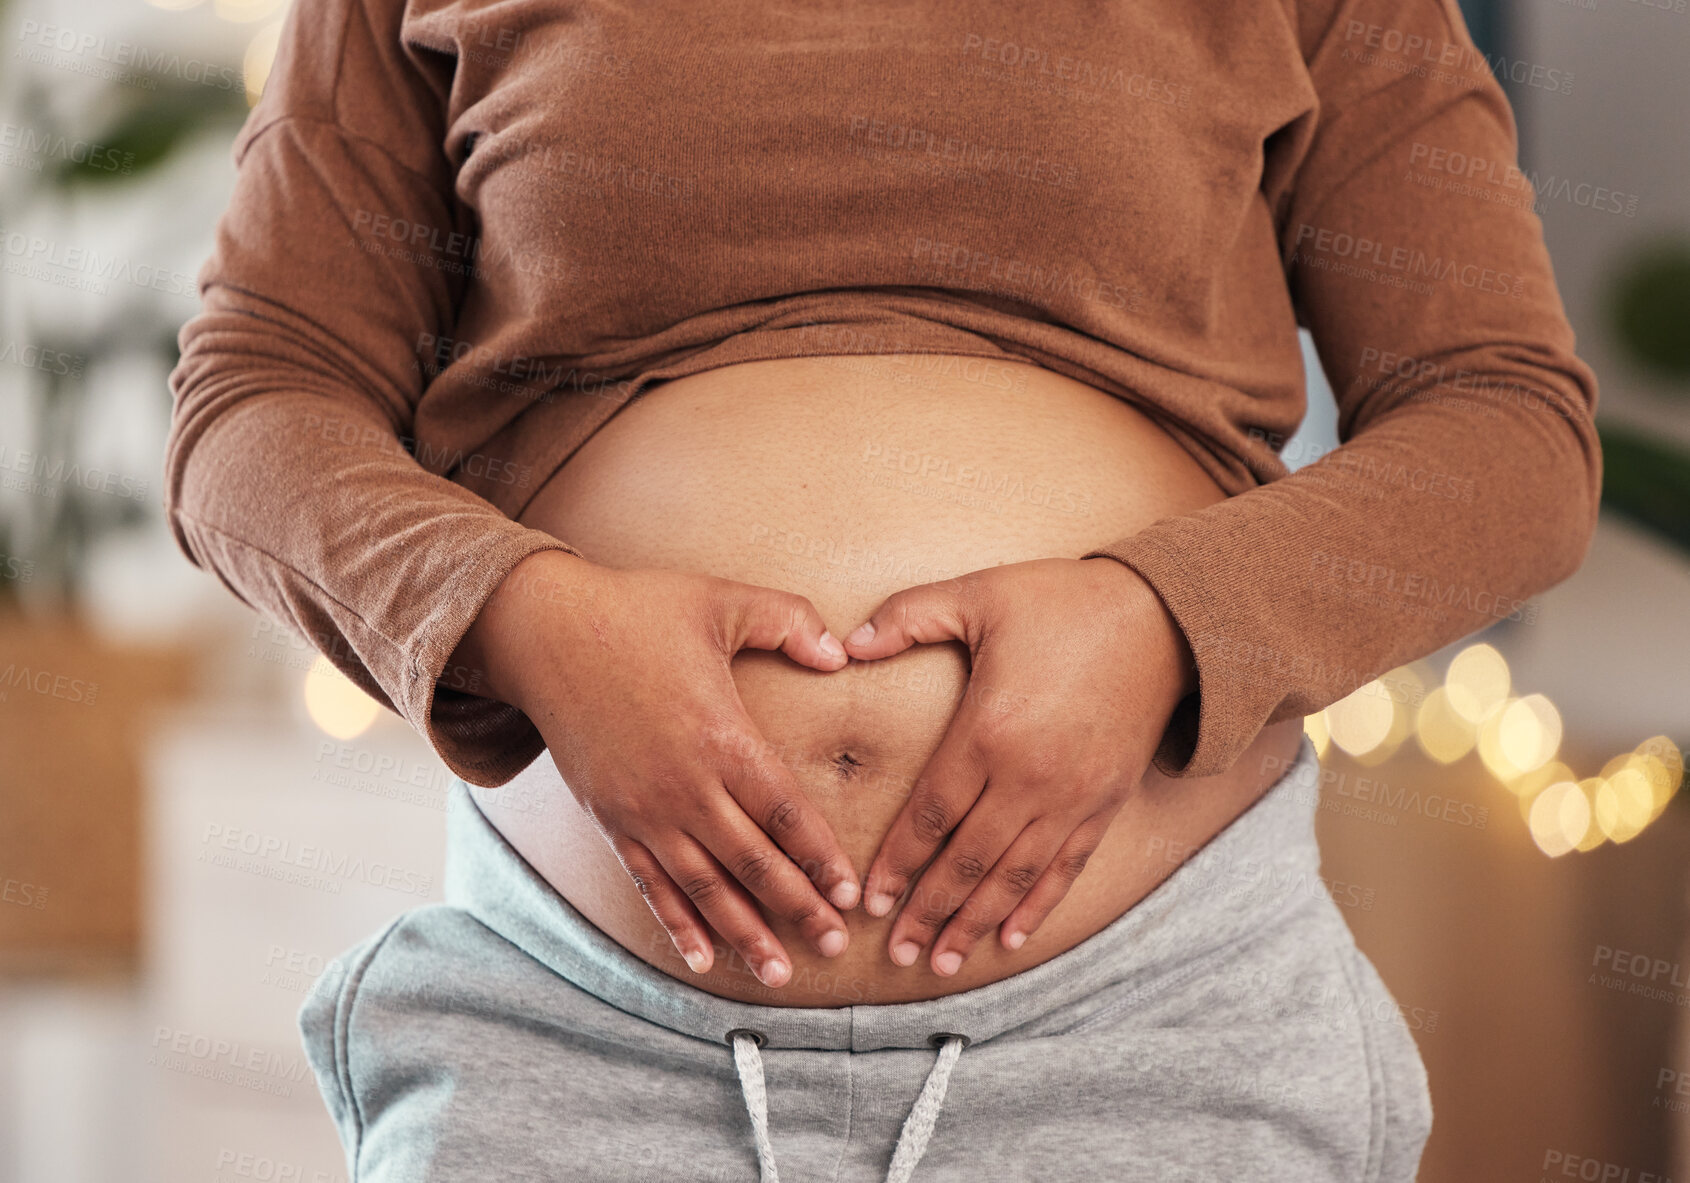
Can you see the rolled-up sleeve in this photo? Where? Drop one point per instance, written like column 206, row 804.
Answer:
column 1469, row 474
column 286, row 471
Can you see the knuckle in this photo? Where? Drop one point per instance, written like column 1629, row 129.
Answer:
column 1071, row 863
column 899, row 611
column 781, row 817
column 754, row 868
column 930, row 818
column 903, row 864
column 748, row 935
column 665, row 784
column 899, row 873
column 747, row 942
column 925, row 924
column 754, row 948
column 656, row 800
column 1020, row 878
column 968, row 867
column 1043, row 768
column 803, row 912
column 644, row 883
column 972, row 923
column 813, row 869
column 932, row 904
column 993, row 738
column 703, row 889
column 794, row 610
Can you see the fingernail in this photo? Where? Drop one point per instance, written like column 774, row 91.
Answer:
column 879, row 904
column 904, row 952
column 844, row 895
column 948, row 963
column 775, row 972
column 696, row 960
column 1015, row 939
column 832, row 943
column 830, row 645
column 862, row 634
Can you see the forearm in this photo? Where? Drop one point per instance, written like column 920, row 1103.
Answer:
column 344, row 538
column 504, row 631
column 1295, row 593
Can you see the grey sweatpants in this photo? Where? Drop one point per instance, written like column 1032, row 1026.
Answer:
column 1226, row 1028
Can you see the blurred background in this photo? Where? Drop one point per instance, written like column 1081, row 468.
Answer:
column 1503, row 822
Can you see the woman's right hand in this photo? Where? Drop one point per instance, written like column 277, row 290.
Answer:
column 630, row 687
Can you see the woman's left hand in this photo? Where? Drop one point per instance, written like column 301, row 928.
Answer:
column 1077, row 666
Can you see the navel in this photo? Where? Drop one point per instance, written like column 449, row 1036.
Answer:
column 846, row 765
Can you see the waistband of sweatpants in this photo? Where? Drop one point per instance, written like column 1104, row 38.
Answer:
column 1241, row 883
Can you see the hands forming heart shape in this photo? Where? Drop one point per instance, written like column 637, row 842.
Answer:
column 633, row 694
column 1019, row 798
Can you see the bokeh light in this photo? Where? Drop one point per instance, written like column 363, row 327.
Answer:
column 1624, row 803
column 260, row 55
column 1528, row 785
column 1361, row 721
column 1662, row 762
column 1560, row 816
column 1594, row 836
column 1477, row 682
column 1517, row 739
column 336, row 705
column 246, row 11
column 1443, row 734
column 1489, row 745
column 1529, row 732
column 1405, row 688
column 1314, row 726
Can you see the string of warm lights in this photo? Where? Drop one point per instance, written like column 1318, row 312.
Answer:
column 1472, row 710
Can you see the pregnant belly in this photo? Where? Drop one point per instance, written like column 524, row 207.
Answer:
column 842, row 480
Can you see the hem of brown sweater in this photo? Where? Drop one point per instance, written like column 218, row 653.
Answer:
column 1196, row 741
column 480, row 740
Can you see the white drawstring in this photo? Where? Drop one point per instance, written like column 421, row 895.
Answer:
column 749, row 1061
column 918, row 1126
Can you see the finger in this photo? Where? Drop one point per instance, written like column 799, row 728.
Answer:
column 943, row 794
column 760, row 867
column 763, row 618
column 668, row 903
column 1065, row 867
column 1005, row 886
column 973, row 850
column 767, row 792
column 726, row 907
column 917, row 615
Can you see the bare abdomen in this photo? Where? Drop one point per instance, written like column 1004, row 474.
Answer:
column 844, row 480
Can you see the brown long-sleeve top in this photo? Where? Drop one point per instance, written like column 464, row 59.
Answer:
column 465, row 232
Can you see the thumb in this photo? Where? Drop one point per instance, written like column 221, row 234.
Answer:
column 917, row 615
column 763, row 618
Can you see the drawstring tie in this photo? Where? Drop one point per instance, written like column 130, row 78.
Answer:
column 918, row 1126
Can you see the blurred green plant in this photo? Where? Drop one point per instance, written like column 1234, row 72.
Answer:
column 1647, row 481
column 147, row 134
column 1646, row 477
column 145, row 129
column 1649, row 310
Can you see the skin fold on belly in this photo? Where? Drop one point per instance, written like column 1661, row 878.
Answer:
column 845, row 479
